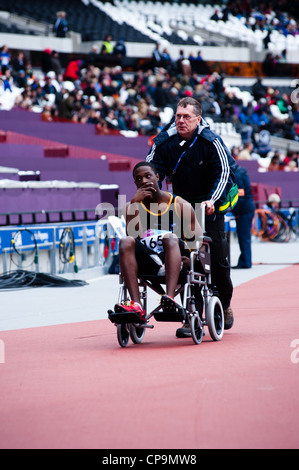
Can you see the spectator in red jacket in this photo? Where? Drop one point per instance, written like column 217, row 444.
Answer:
column 72, row 71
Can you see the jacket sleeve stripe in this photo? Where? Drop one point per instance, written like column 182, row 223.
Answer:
column 225, row 170
column 150, row 156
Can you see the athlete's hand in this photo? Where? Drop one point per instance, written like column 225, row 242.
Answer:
column 186, row 262
column 145, row 191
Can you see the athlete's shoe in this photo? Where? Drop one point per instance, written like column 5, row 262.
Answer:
column 132, row 307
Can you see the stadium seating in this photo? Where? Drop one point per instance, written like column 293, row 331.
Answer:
column 150, row 21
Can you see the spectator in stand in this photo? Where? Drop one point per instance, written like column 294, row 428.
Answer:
column 60, row 27
column 295, row 111
column 274, row 164
column 108, row 44
column 56, row 64
column 66, row 108
column 246, row 152
column 215, row 16
column 141, row 118
column 72, row 71
column 47, row 65
column 20, row 79
column 216, row 101
column 198, row 64
column 268, row 65
column 103, row 50
column 120, row 49
column 157, row 56
column 93, row 88
column 263, row 143
column 5, row 59
column 49, row 91
column 260, row 117
column 259, row 90
column 235, row 151
column 93, row 55
column 7, row 80
column 162, row 95
column 291, row 160
column 18, row 63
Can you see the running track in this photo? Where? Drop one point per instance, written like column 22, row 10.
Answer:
column 72, row 386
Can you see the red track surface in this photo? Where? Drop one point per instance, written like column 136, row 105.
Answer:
column 73, row 386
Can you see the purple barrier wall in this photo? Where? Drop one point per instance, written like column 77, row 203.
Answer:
column 287, row 181
column 95, row 170
column 22, row 200
column 83, row 135
column 21, row 156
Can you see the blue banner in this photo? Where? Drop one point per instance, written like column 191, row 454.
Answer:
column 26, row 237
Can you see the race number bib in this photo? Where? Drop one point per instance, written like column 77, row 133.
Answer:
column 153, row 239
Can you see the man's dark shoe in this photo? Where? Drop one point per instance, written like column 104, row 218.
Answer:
column 228, row 318
column 241, row 267
column 184, row 331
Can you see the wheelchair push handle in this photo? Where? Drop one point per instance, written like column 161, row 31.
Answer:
column 202, row 219
column 203, row 238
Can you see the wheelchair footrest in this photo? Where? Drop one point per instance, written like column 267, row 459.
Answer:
column 174, row 316
column 171, row 311
column 124, row 317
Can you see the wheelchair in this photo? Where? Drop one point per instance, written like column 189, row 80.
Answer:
column 130, row 326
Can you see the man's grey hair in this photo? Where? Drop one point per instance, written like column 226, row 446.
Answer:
column 184, row 102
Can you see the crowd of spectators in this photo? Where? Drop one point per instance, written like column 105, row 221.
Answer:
column 275, row 160
column 143, row 101
column 280, row 15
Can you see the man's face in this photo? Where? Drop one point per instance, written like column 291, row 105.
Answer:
column 145, row 177
column 186, row 121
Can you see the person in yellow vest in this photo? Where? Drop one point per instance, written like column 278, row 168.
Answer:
column 108, row 44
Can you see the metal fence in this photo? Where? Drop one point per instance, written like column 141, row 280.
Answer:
column 60, row 248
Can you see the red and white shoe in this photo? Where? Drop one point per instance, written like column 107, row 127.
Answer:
column 132, row 307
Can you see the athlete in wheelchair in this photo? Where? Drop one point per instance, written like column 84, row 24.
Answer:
column 165, row 246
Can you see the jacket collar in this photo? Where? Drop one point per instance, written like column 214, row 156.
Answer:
column 171, row 130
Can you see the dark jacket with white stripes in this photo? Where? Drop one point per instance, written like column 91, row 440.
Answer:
column 204, row 167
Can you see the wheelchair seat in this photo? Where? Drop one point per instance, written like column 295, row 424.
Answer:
column 156, row 281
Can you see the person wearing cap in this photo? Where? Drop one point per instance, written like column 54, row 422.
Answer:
column 201, row 169
column 273, row 202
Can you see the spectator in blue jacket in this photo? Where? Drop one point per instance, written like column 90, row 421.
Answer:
column 244, row 212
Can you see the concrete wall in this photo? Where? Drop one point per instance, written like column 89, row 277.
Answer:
column 136, row 50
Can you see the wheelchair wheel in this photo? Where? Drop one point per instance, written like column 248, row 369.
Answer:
column 196, row 329
column 123, row 334
column 136, row 333
column 215, row 318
